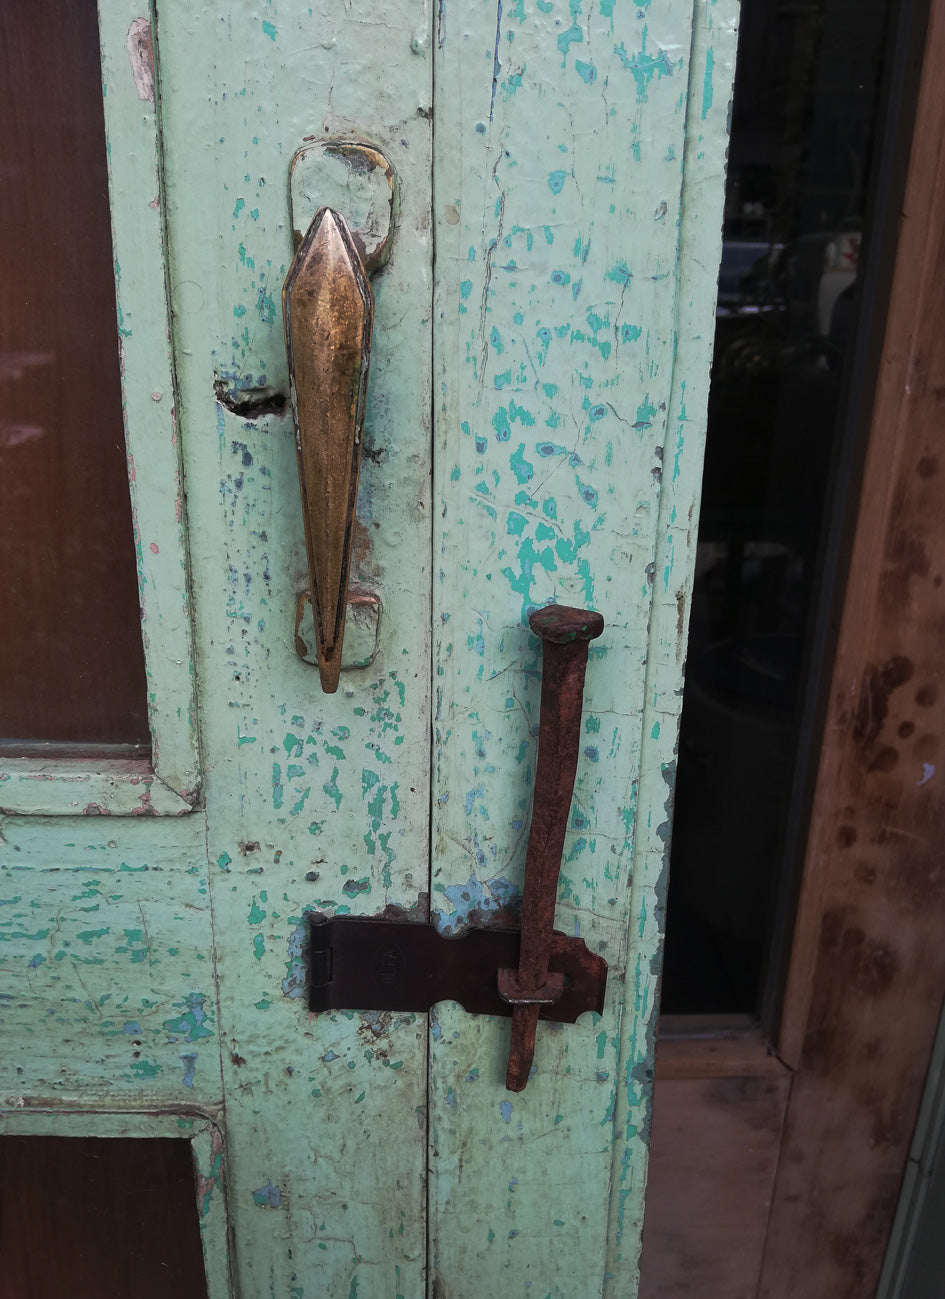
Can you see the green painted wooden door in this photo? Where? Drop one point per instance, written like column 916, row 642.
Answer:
column 534, row 431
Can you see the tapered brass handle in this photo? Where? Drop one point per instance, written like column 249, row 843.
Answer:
column 328, row 309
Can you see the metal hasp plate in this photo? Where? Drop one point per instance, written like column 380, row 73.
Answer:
column 357, row 964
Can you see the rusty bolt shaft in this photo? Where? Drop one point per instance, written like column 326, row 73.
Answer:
column 565, row 634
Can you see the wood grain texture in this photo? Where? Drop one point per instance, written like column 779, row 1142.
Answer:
column 713, row 1157
column 868, row 943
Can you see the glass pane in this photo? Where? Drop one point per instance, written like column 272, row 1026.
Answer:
column 71, row 659
column 804, row 117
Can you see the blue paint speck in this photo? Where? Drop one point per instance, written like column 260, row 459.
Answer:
column 268, row 1196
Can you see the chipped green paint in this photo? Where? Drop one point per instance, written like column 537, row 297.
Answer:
column 579, row 154
column 591, row 347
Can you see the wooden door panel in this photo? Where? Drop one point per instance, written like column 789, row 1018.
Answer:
column 568, row 251
column 576, row 200
column 313, row 801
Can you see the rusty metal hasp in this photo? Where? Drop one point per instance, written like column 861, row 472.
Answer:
column 359, row 964
column 537, row 973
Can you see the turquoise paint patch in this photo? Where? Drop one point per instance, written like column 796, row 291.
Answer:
column 465, row 287
column 87, row 935
column 259, row 947
column 192, row 1023
column 556, row 181
column 522, row 469
column 707, row 82
column 573, row 36
column 300, row 801
column 269, row 29
column 586, row 71
column 645, row 412
column 145, row 1069
column 528, row 558
column 643, row 67
column 277, row 789
column 515, row 523
column 330, row 787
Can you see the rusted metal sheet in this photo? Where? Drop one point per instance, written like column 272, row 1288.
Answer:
column 386, row 965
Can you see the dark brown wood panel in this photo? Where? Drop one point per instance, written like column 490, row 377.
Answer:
column 71, row 660
column 717, row 1114
column 868, row 968
column 96, row 1218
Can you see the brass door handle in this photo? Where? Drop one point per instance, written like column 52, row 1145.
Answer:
column 328, row 310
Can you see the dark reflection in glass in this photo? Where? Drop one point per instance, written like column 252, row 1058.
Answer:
column 806, row 92
column 71, row 659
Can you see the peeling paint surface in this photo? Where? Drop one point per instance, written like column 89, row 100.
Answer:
column 107, row 983
column 574, row 323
